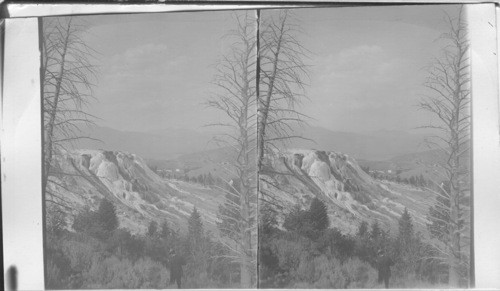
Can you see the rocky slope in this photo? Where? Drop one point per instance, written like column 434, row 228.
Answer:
column 351, row 194
column 140, row 195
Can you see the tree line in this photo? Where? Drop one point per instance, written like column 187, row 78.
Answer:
column 414, row 180
column 205, row 179
column 99, row 253
column 306, row 251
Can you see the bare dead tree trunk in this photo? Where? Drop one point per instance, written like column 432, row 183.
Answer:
column 68, row 75
column 281, row 82
column 52, row 112
column 450, row 104
column 282, row 73
column 236, row 98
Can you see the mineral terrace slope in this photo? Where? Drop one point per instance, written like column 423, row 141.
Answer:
column 352, row 196
column 84, row 177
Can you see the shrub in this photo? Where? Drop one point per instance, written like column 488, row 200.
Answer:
column 110, row 273
column 107, row 215
column 80, row 254
column 113, row 272
column 151, row 274
column 54, row 279
column 321, row 272
column 360, row 274
column 289, row 252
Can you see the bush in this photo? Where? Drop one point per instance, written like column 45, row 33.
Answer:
column 80, row 254
column 289, row 252
column 112, row 272
column 321, row 272
column 151, row 274
column 54, row 278
column 360, row 274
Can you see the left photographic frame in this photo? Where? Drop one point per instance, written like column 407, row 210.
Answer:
column 145, row 175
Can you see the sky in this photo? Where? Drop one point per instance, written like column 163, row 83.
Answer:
column 156, row 69
column 366, row 66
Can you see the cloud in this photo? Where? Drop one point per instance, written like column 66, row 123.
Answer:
column 145, row 50
column 144, row 59
column 364, row 63
column 152, row 79
column 360, row 86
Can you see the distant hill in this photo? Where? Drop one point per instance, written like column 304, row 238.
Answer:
column 165, row 144
column 211, row 161
column 169, row 144
column 427, row 163
column 376, row 145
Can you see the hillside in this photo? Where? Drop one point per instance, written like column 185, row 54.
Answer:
column 352, row 195
column 138, row 193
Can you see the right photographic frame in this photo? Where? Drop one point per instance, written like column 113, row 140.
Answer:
column 364, row 148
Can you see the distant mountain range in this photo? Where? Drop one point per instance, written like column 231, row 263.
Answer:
column 164, row 144
column 375, row 145
column 171, row 143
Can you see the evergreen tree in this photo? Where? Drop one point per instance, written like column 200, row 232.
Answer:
column 210, row 179
column 152, row 228
column 298, row 220
column 165, row 230
column 195, row 227
column 107, row 215
column 268, row 222
column 405, row 228
column 319, row 215
column 376, row 231
column 408, row 247
column 198, row 247
column 363, row 229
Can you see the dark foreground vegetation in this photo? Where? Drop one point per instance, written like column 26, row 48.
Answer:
column 306, row 252
column 100, row 254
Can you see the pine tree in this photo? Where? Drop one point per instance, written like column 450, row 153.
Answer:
column 297, row 220
column 198, row 246
column 195, row 227
column 107, row 215
column 152, row 228
column 408, row 246
column 165, row 230
column 421, row 181
column 210, row 179
column 405, row 227
column 318, row 214
column 363, row 229
column 376, row 231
